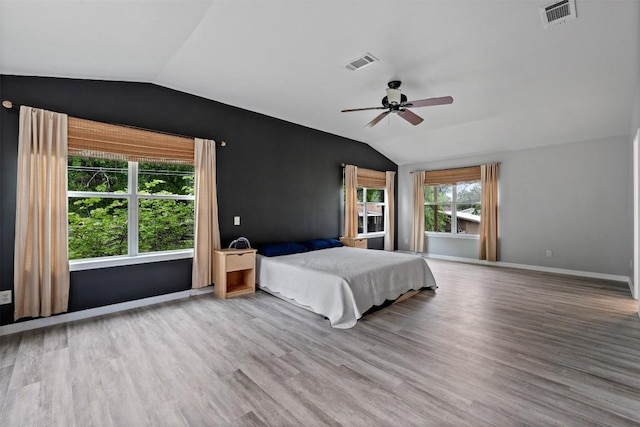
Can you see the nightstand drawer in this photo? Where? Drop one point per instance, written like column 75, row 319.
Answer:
column 356, row 242
column 237, row 262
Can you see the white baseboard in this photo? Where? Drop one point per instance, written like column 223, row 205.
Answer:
column 579, row 273
column 99, row 311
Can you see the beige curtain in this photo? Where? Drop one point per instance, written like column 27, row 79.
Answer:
column 389, row 217
column 41, row 260
column 351, row 201
column 207, row 229
column 489, row 219
column 417, row 233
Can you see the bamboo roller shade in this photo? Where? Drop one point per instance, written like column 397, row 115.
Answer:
column 107, row 141
column 371, row 179
column 452, row 176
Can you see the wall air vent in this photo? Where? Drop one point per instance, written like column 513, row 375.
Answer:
column 557, row 13
column 361, row 62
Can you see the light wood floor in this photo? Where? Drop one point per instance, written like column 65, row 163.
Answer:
column 490, row 347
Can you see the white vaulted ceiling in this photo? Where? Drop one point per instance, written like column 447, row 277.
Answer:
column 515, row 84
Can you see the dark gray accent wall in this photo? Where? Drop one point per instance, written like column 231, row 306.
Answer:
column 283, row 179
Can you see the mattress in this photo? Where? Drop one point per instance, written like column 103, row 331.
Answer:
column 343, row 283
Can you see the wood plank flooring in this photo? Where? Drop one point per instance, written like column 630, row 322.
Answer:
column 491, row 346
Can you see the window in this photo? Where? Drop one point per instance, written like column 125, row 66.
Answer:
column 371, row 204
column 120, row 208
column 453, row 208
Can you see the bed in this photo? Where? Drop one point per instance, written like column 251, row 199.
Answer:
column 342, row 283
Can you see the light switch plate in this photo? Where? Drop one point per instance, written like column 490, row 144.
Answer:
column 236, row 220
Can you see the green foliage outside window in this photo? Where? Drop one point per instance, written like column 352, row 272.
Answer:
column 98, row 225
column 443, row 220
column 440, row 203
column 434, row 217
column 373, row 195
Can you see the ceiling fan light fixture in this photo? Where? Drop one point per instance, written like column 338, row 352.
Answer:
column 394, row 96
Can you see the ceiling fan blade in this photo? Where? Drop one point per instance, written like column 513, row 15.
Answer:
column 410, row 116
column 431, row 101
column 363, row 109
column 379, row 117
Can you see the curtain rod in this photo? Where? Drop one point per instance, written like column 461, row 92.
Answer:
column 10, row 106
column 463, row 167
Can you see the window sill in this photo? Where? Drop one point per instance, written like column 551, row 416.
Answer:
column 452, row 236
column 372, row 235
column 118, row 261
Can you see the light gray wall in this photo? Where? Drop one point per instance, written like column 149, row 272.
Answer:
column 635, row 125
column 572, row 199
column 465, row 247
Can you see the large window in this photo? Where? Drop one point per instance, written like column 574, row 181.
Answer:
column 453, row 208
column 371, row 204
column 119, row 208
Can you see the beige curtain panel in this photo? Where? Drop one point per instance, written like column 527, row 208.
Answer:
column 351, row 201
column 116, row 142
column 207, row 228
column 489, row 218
column 41, row 264
column 389, row 217
column 417, row 231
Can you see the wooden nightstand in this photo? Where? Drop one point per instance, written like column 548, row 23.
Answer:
column 234, row 271
column 356, row 242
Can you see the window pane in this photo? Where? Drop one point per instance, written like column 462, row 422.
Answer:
column 445, row 193
column 428, row 194
column 375, row 218
column 89, row 174
column 165, row 225
column 359, row 193
column 160, row 178
column 437, row 218
column 360, row 218
column 97, row 227
column 374, row 195
column 469, row 192
column 468, row 218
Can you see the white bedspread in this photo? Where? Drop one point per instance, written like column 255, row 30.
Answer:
column 343, row 283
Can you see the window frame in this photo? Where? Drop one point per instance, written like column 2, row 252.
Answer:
column 364, row 204
column 454, row 211
column 133, row 256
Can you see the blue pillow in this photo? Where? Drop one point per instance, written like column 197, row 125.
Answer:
column 315, row 244
column 334, row 243
column 277, row 249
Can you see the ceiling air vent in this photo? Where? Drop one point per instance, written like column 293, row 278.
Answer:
column 361, row 62
column 557, row 13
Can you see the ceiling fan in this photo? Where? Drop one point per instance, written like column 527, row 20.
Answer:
column 396, row 102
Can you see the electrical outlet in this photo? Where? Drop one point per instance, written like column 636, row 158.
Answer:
column 549, row 254
column 5, row 297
